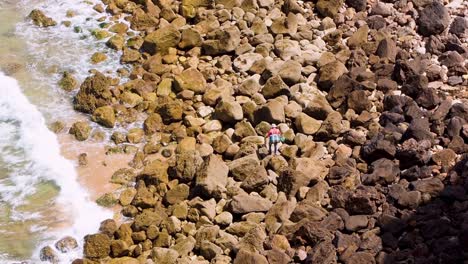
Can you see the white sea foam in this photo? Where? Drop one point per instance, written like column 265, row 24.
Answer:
column 21, row 121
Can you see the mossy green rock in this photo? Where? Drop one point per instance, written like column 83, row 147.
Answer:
column 40, row 19
column 81, row 130
column 98, row 57
column 68, row 82
column 100, row 34
column 105, row 116
column 162, row 39
column 107, row 200
column 135, row 42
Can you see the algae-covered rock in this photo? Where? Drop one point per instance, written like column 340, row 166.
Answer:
column 94, row 92
column 162, row 39
column 96, row 246
column 107, row 200
column 116, row 42
column 98, row 57
column 68, row 82
column 57, row 126
column 105, row 116
column 40, row 19
column 100, row 34
column 81, row 130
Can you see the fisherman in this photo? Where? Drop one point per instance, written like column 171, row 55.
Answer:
column 274, row 137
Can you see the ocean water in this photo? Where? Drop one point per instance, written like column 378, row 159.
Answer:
column 41, row 200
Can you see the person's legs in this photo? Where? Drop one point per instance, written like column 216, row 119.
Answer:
column 270, row 144
column 276, row 148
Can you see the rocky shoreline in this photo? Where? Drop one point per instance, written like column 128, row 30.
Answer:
column 370, row 96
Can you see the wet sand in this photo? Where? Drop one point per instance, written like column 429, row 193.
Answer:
column 96, row 174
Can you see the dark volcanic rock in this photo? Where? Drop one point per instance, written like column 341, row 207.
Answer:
column 433, row 19
column 383, row 171
column 359, row 5
column 459, row 26
column 378, row 148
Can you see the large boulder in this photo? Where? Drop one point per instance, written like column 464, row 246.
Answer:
column 329, row 73
column 191, row 79
column 94, row 92
column 225, row 40
column 212, row 176
column 271, row 112
column 250, row 172
column 162, row 39
column 96, row 246
column 40, row 19
column 229, row 111
column 307, row 125
column 105, row 116
column 433, row 19
column 274, row 87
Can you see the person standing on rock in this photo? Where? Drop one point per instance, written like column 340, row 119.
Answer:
column 274, row 137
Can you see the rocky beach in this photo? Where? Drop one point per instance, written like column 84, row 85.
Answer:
column 166, row 124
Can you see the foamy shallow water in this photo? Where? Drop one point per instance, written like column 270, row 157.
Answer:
column 40, row 198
